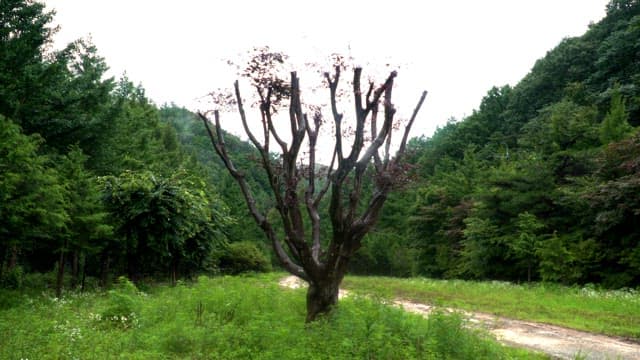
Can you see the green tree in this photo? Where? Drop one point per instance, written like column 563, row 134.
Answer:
column 526, row 243
column 523, row 184
column 615, row 207
column 571, row 126
column 615, row 125
column 478, row 247
column 436, row 218
column 569, row 258
column 87, row 228
column 24, row 35
column 32, row 198
column 61, row 95
column 164, row 221
column 195, row 141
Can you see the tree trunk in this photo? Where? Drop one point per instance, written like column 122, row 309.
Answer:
column 104, row 269
column 322, row 296
column 3, row 256
column 132, row 267
column 174, row 272
column 84, row 273
column 60, row 276
column 75, row 268
column 13, row 258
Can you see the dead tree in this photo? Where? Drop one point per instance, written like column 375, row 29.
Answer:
column 299, row 190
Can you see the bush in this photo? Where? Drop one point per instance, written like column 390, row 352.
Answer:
column 122, row 308
column 242, row 257
column 381, row 254
column 12, row 279
column 39, row 281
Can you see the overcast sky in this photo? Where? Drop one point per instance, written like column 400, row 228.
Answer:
column 457, row 50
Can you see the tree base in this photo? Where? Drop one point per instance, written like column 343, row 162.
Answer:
column 321, row 299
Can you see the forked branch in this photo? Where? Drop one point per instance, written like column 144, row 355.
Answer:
column 299, row 189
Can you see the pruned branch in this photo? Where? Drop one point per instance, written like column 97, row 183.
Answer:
column 296, row 188
column 337, row 116
column 220, row 147
column 405, row 137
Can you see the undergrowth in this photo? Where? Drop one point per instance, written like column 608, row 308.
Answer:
column 246, row 317
column 611, row 312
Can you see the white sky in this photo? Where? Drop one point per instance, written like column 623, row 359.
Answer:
column 457, row 50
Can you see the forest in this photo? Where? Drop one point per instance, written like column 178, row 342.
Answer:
column 540, row 183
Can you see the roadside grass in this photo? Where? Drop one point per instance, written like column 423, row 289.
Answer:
column 244, row 317
column 610, row 312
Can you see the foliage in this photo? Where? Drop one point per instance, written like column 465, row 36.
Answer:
column 615, row 209
column 615, row 125
column 61, row 95
column 122, row 306
column 242, row 256
column 63, row 124
column 526, row 243
column 32, row 198
column 530, row 185
column 385, row 253
column 163, row 220
column 540, row 182
column 12, row 278
column 195, row 141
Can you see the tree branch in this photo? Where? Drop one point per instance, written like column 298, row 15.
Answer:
column 243, row 117
column 337, row 117
column 403, row 144
column 220, row 147
column 312, row 208
column 327, row 183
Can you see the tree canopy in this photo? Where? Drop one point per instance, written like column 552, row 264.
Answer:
column 93, row 181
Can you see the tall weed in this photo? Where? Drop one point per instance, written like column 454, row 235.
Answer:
column 243, row 317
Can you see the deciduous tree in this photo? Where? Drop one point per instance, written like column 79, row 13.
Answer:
column 299, row 184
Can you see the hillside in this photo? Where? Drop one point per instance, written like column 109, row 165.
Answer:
column 541, row 181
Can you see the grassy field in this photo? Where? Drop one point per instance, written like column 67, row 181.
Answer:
column 227, row 318
column 583, row 308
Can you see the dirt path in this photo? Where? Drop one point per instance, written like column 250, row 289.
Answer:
column 558, row 342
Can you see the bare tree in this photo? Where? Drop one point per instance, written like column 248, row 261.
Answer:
column 298, row 190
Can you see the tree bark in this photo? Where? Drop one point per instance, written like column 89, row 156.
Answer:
column 60, row 277
column 13, row 258
column 132, row 267
column 3, row 256
column 174, row 272
column 75, row 261
column 322, row 297
column 104, row 269
column 84, row 273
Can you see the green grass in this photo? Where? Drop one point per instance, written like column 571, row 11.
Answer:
column 246, row 317
column 600, row 311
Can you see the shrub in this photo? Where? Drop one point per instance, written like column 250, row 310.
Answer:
column 242, row 257
column 178, row 342
column 122, row 305
column 39, row 281
column 12, row 279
